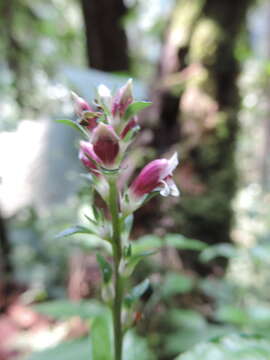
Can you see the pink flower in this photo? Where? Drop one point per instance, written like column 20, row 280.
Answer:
column 122, row 99
column 132, row 124
column 84, row 111
column 88, row 156
column 156, row 176
column 105, row 144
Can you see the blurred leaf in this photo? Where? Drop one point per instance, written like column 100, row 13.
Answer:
column 127, row 224
column 74, row 125
column 134, row 260
column 78, row 229
column 146, row 243
column 102, row 336
column 106, row 268
column 136, row 292
column 76, row 349
column 232, row 314
column 64, row 309
column 98, row 214
column 232, row 347
column 186, row 318
column 189, row 328
column 224, row 250
column 175, row 283
column 259, row 316
column 136, row 348
column 136, row 107
column 180, row 242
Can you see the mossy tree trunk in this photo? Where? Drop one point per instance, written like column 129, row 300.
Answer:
column 198, row 103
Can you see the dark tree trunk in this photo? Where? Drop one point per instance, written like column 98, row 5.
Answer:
column 105, row 37
column 6, row 268
column 198, row 102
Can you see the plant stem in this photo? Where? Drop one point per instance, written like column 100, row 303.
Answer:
column 117, row 254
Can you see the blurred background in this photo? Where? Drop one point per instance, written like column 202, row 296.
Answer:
column 205, row 64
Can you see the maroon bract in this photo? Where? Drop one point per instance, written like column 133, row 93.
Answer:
column 105, row 144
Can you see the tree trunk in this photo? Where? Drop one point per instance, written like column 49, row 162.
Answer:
column 198, row 102
column 6, row 268
column 106, row 40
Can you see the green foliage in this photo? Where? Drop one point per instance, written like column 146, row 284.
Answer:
column 181, row 242
column 175, row 283
column 134, row 260
column 223, row 250
column 188, row 327
column 102, row 336
column 78, row 229
column 65, row 309
column 136, row 347
column 70, row 350
column 233, row 347
column 136, row 293
column 74, row 125
column 105, row 267
column 134, row 108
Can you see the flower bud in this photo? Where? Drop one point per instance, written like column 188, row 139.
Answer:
column 105, row 144
column 122, row 99
column 157, row 175
column 88, row 156
column 87, row 115
column 80, row 105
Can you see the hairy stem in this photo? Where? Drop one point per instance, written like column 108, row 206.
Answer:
column 117, row 254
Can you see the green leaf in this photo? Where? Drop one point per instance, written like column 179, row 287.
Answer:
column 64, row 309
column 232, row 347
column 180, row 242
column 232, row 315
column 78, row 229
column 136, row 347
column 69, row 350
column 134, row 260
column 224, row 250
column 74, row 125
column 105, row 267
column 175, row 283
column 93, row 222
column 131, row 133
column 136, row 292
column 102, row 337
column 135, row 107
column 127, row 224
column 98, row 214
column 146, row 243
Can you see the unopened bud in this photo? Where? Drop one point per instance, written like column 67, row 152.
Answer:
column 122, row 99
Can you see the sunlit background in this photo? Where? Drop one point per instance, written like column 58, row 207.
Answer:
column 206, row 67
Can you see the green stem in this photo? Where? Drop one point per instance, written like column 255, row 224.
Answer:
column 117, row 254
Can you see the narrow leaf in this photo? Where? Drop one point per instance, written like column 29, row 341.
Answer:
column 180, row 242
column 135, row 260
column 136, row 107
column 91, row 220
column 105, row 268
column 78, row 229
column 74, row 125
column 136, row 292
column 65, row 309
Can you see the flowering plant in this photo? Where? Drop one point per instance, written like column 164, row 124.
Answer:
column 110, row 128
